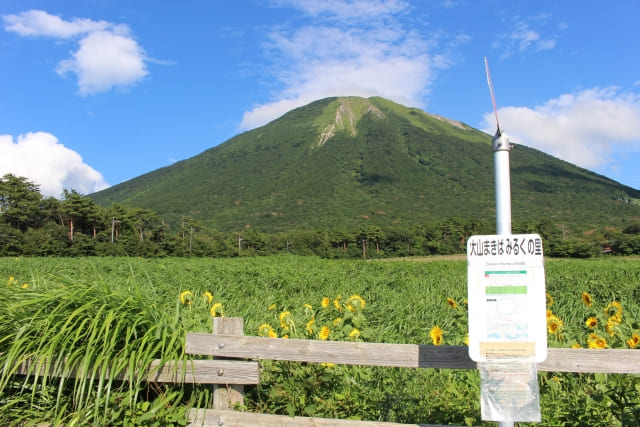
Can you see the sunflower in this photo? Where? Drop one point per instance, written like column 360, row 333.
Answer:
column 576, row 345
column 266, row 330
column 436, row 335
column 633, row 341
column 215, row 309
column 596, row 341
column 337, row 321
column 613, row 309
column 549, row 314
column 207, row 297
column 185, row 297
column 323, row 334
column 554, row 325
column 611, row 326
column 549, row 299
column 272, row 306
column 452, row 303
column 310, row 325
column 336, row 303
column 286, row 320
column 355, row 302
column 591, row 322
column 354, row 334
column 586, row 299
column 325, row 302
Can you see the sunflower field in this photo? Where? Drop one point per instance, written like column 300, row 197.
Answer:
column 106, row 319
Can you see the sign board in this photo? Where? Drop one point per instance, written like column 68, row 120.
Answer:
column 506, row 294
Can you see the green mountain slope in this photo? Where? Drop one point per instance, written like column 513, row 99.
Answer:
column 340, row 162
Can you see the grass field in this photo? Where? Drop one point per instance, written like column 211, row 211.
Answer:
column 109, row 314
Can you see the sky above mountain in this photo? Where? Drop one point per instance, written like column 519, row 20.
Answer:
column 95, row 92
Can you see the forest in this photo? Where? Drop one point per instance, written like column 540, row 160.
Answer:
column 74, row 225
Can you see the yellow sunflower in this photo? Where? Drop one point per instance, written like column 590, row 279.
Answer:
column 591, row 322
column 286, row 320
column 354, row 334
column 586, row 299
column 633, row 341
column 310, row 324
column 597, row 342
column 336, row 303
column 452, row 303
column 549, row 299
column 613, row 309
column 216, row 309
column 324, row 333
column 325, row 302
column 554, row 325
column 355, row 302
column 265, row 330
column 186, row 297
column 436, row 335
column 207, row 297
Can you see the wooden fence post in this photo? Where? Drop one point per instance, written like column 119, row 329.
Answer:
column 227, row 396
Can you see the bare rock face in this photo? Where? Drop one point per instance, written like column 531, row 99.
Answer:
column 349, row 112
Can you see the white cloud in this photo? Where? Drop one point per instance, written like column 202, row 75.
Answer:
column 107, row 56
column 586, row 128
column 44, row 161
column 523, row 38
column 104, row 60
column 40, row 23
column 348, row 9
column 342, row 57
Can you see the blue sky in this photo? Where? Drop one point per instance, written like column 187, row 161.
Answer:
column 95, row 92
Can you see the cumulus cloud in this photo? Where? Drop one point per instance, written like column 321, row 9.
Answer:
column 46, row 162
column 351, row 47
column 107, row 55
column 586, row 128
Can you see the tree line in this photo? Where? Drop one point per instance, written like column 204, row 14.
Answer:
column 74, row 225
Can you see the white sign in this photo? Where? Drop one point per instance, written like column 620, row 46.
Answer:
column 506, row 294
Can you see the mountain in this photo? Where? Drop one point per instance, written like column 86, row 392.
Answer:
column 341, row 162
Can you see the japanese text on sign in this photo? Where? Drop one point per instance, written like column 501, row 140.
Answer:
column 504, row 245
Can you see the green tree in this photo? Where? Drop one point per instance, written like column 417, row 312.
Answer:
column 19, row 202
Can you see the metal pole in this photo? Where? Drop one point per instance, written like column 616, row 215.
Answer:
column 501, row 147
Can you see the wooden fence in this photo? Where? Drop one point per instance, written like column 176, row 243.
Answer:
column 230, row 371
column 228, row 342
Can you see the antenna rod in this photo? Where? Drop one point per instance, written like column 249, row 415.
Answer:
column 493, row 98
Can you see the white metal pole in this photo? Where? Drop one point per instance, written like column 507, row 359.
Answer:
column 501, row 147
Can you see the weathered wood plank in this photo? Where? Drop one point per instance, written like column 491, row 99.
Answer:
column 207, row 372
column 582, row 360
column 399, row 355
column 216, row 417
column 190, row 371
column 348, row 353
column 228, row 396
